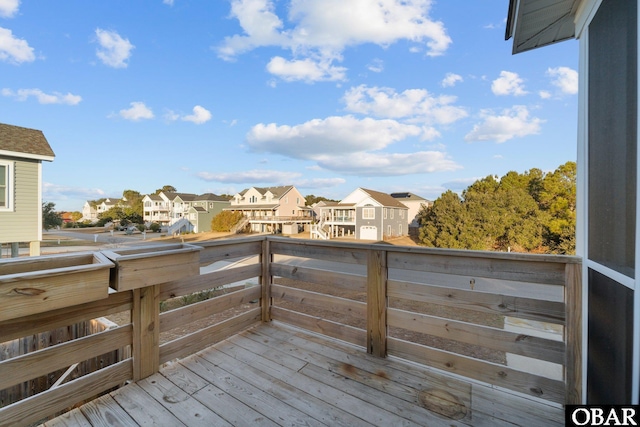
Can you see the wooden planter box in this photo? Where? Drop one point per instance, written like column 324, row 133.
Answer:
column 151, row 265
column 32, row 285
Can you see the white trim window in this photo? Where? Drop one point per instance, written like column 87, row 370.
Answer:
column 368, row 213
column 6, row 186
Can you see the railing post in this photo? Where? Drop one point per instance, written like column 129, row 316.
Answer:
column 377, row 274
column 573, row 334
column 265, row 280
column 145, row 318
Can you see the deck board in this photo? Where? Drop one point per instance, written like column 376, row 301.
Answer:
column 276, row 375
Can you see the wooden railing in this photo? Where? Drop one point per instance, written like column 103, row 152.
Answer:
column 448, row 309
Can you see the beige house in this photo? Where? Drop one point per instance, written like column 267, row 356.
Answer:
column 415, row 204
column 22, row 151
column 273, row 209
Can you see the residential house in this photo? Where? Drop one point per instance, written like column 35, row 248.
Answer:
column 156, row 208
column 364, row 214
column 92, row 211
column 202, row 210
column 89, row 212
column 415, row 204
column 273, row 209
column 607, row 236
column 22, row 152
column 182, row 212
column 179, row 204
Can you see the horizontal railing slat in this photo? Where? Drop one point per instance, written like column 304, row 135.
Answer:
column 221, row 250
column 35, row 408
column 201, row 310
column 499, row 375
column 323, row 277
column 323, row 301
column 50, row 320
column 490, row 266
column 196, row 341
column 211, row 280
column 505, row 305
column 42, row 362
column 319, row 251
column 493, row 338
column 316, row 324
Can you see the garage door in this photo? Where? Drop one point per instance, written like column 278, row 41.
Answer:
column 368, row 232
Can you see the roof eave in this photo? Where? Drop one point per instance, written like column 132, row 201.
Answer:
column 21, row 155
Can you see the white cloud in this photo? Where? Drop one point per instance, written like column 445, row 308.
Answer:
column 508, row 83
column 349, row 145
column 388, row 164
column 169, row 2
column 13, row 49
column 200, row 115
column 114, row 51
column 451, row 79
column 51, row 191
column 544, row 94
column 137, row 112
column 412, row 104
column 8, row 8
column 376, row 66
column 565, row 79
column 319, row 182
column 511, row 123
column 43, row 98
column 307, row 70
column 252, row 176
column 336, row 135
column 321, row 29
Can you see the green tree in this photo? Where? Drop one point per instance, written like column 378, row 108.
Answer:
column 528, row 212
column 225, row 221
column 50, row 218
column 311, row 199
column 558, row 199
column 76, row 216
column 166, row 189
column 441, row 223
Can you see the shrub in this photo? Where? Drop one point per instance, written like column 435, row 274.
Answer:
column 155, row 227
column 225, row 221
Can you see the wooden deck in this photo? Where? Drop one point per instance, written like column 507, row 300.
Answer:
column 277, row 375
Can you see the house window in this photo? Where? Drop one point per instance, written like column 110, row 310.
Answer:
column 6, row 185
column 385, row 212
column 368, row 213
column 391, row 213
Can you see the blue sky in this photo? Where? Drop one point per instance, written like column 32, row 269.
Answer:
column 326, row 95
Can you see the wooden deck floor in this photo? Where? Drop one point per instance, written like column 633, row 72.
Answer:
column 274, row 375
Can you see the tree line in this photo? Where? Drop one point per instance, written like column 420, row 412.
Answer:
column 523, row 212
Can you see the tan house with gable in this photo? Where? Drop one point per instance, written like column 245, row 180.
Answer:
column 22, row 152
column 273, row 209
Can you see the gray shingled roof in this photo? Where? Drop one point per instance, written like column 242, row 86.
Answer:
column 26, row 141
column 383, row 198
column 276, row 191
